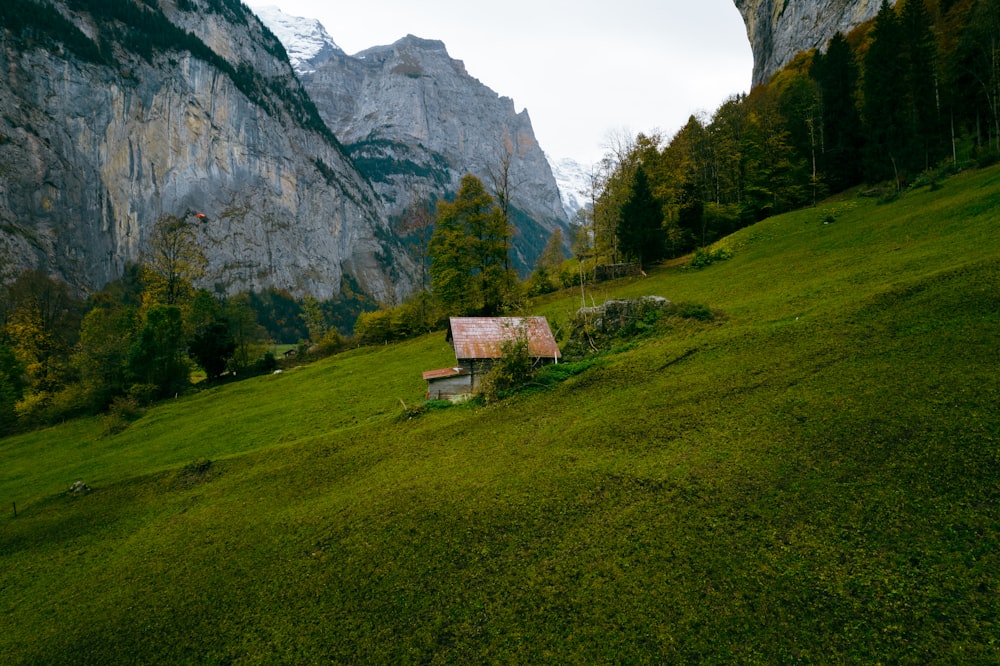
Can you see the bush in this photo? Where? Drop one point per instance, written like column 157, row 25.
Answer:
column 143, row 394
column 557, row 373
column 331, row 343
column 373, row 328
column 704, row 257
column 122, row 412
column 413, row 411
column 47, row 408
column 512, row 370
column 695, row 311
column 266, row 363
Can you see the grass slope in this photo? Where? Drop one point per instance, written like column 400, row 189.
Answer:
column 811, row 478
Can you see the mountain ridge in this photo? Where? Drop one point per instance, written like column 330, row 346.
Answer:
column 415, row 121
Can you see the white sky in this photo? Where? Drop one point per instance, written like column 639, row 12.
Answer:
column 583, row 69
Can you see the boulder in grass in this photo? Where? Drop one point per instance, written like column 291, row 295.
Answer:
column 618, row 314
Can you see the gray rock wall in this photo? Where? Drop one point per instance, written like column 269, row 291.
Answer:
column 779, row 29
column 416, row 122
column 93, row 154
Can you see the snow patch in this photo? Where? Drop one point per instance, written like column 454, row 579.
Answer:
column 305, row 39
column 573, row 179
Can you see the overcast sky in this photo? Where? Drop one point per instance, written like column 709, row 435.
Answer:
column 583, row 69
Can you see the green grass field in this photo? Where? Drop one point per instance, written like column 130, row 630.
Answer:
column 812, row 477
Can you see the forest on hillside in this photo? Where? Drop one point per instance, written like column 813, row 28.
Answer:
column 902, row 100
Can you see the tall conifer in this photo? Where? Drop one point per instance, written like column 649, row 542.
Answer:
column 836, row 73
column 884, row 93
column 640, row 232
column 919, row 51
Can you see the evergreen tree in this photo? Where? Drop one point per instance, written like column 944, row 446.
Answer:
column 727, row 135
column 776, row 179
column 157, row 355
column 799, row 110
column 885, row 92
column 468, row 251
column 974, row 73
column 688, row 157
column 920, row 59
column 640, row 231
column 836, row 74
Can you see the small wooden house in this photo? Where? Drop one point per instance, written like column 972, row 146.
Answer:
column 478, row 343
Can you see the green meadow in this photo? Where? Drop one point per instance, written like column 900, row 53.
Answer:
column 812, row 476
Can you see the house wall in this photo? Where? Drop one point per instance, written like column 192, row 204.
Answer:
column 448, row 387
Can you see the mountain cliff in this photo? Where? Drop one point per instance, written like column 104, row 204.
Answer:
column 114, row 113
column 779, row 29
column 415, row 121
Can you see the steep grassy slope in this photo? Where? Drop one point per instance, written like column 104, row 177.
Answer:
column 812, row 477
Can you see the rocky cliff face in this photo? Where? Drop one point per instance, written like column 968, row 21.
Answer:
column 111, row 117
column 779, row 29
column 414, row 121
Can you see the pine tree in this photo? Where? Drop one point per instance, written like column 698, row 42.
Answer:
column 640, row 231
column 836, row 73
column 920, row 60
column 974, row 75
column 884, row 94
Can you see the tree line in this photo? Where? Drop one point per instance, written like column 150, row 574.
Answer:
column 141, row 337
column 912, row 94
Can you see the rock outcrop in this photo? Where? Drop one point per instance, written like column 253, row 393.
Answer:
column 114, row 115
column 779, row 29
column 414, row 121
column 617, row 315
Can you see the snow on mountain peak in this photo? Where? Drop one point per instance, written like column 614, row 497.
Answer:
column 305, row 39
column 573, row 179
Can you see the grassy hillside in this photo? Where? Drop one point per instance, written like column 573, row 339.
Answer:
column 813, row 477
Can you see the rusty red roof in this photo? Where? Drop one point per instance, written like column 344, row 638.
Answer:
column 444, row 373
column 482, row 337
